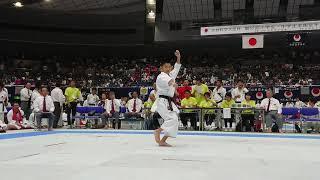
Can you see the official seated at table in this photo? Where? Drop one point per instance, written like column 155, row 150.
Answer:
column 209, row 115
column 228, row 102
column 188, row 102
column 134, row 106
column 43, row 108
column 16, row 119
column 112, row 107
column 272, row 109
column 247, row 115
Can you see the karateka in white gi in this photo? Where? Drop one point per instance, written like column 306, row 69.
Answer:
column 164, row 105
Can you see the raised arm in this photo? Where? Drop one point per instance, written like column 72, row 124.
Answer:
column 174, row 73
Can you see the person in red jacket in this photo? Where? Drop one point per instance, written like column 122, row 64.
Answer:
column 185, row 87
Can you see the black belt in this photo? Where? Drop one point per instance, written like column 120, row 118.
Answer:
column 170, row 99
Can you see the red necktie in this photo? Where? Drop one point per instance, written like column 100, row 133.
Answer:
column 112, row 107
column 44, row 109
column 134, row 106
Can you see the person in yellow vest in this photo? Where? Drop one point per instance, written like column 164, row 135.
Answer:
column 189, row 102
column 147, row 106
column 73, row 95
column 228, row 102
column 209, row 115
column 198, row 90
column 247, row 115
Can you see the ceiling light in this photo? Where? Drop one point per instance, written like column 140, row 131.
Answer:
column 18, row 4
column 151, row 14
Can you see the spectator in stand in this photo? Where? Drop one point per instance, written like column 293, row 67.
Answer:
column 289, row 104
column 25, row 97
column 299, row 103
column 182, row 89
column 58, row 100
column 134, row 106
column 16, row 118
column 228, row 102
column 112, row 108
column 103, row 100
column 272, row 109
column 44, row 107
column 219, row 92
column 247, row 115
column 209, row 115
column 189, row 102
column 73, row 95
column 199, row 89
column 238, row 93
column 93, row 98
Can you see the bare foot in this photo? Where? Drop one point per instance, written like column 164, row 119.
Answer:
column 164, row 144
column 157, row 135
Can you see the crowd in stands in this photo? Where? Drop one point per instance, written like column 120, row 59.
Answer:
column 293, row 69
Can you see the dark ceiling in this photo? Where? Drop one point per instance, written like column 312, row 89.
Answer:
column 81, row 6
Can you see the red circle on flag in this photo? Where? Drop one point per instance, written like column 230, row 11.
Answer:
column 206, row 30
column 315, row 92
column 288, row 94
column 297, row 37
column 259, row 95
column 252, row 41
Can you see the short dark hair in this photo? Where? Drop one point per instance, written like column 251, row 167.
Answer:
column 240, row 81
column 57, row 84
column 44, row 87
column 165, row 62
column 207, row 93
column 314, row 101
column 228, row 94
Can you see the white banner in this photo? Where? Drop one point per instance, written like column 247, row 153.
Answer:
column 261, row 28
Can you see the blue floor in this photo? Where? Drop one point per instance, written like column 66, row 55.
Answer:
column 212, row 134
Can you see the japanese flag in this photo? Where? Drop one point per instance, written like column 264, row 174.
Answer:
column 252, row 41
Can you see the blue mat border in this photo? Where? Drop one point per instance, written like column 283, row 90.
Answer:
column 210, row 134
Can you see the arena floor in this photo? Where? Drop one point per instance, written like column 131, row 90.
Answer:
column 101, row 155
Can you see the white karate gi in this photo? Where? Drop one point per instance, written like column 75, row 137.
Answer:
column 171, row 122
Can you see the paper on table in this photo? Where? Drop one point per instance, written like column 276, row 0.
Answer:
column 227, row 113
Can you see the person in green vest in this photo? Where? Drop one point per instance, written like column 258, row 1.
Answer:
column 188, row 102
column 247, row 115
column 73, row 95
column 228, row 102
column 198, row 90
column 209, row 115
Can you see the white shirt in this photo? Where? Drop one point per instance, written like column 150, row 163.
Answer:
column 219, row 94
column 3, row 96
column 289, row 104
column 130, row 105
column 34, row 96
column 108, row 105
column 236, row 91
column 25, row 94
column 92, row 99
column 38, row 104
column 300, row 104
column 57, row 96
column 274, row 105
